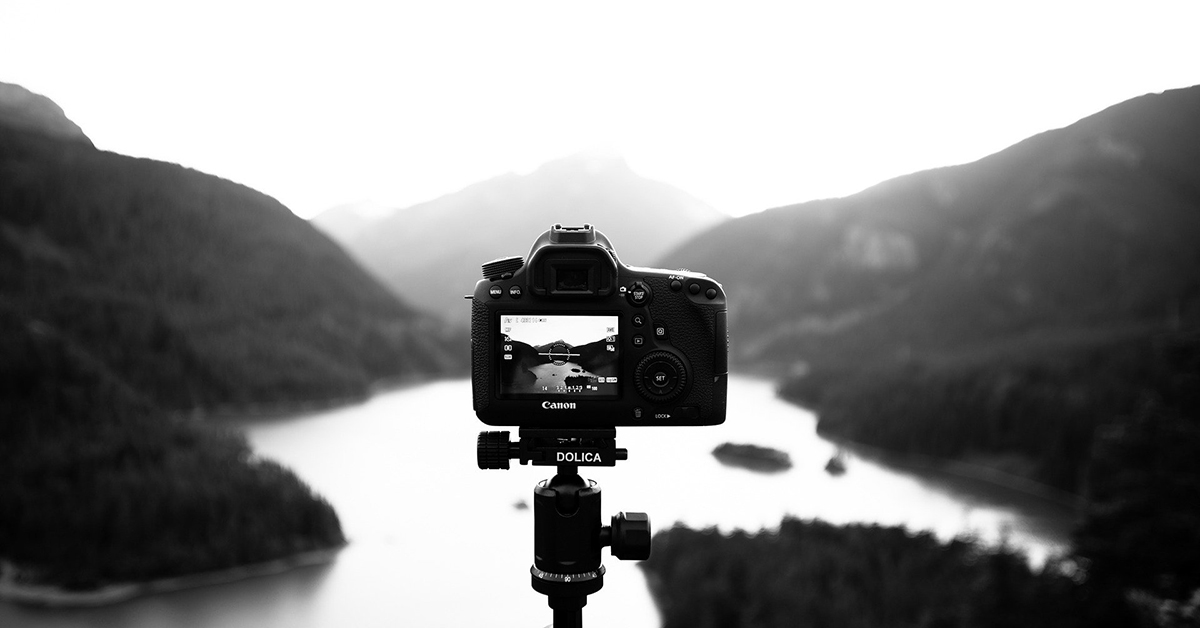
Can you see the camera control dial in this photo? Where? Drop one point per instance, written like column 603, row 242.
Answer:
column 498, row 268
column 660, row 376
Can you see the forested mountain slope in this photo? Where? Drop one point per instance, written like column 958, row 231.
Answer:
column 195, row 290
column 134, row 293
column 1001, row 309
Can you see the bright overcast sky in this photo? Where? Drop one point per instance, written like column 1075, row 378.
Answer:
column 746, row 105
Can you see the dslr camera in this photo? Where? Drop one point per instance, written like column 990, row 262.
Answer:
column 569, row 337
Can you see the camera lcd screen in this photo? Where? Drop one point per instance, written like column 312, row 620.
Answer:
column 559, row 355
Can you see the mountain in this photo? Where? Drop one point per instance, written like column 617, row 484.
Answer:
column 1093, row 224
column 347, row 221
column 23, row 109
column 1000, row 309
column 197, row 291
column 135, row 295
column 430, row 253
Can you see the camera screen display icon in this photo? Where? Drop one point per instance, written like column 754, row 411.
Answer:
column 559, row 354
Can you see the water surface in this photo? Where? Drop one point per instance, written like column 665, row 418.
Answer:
column 437, row 542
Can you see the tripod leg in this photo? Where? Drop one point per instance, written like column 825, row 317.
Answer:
column 568, row 611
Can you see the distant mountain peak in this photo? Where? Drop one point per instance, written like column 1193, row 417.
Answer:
column 431, row 251
column 23, row 109
column 591, row 161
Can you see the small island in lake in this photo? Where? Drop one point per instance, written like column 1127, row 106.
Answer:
column 837, row 464
column 753, row 457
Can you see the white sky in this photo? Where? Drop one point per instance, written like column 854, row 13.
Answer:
column 746, row 105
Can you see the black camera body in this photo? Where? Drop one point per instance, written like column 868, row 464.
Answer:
column 573, row 338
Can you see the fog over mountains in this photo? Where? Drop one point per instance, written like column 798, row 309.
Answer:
column 1034, row 313
column 430, row 253
column 1000, row 311
column 195, row 290
column 1095, row 224
column 135, row 293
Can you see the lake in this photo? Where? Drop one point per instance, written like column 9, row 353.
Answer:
column 435, row 541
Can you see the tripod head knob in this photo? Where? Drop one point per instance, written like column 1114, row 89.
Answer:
column 629, row 535
column 491, row 450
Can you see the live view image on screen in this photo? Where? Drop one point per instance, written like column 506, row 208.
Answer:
column 559, row 354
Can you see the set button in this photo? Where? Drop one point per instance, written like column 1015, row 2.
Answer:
column 660, row 376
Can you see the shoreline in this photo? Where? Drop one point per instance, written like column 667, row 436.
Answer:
column 932, row 467
column 234, row 413
column 967, row 469
column 53, row 597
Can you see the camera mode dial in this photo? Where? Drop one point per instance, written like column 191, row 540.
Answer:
column 498, row 268
column 660, row 376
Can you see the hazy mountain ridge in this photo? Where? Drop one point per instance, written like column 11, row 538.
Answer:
column 1113, row 210
column 135, row 291
column 972, row 273
column 23, row 109
column 140, row 260
column 430, row 253
column 1037, row 312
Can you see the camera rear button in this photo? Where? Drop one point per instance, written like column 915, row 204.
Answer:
column 660, row 331
column 661, row 379
column 676, row 285
column 639, row 320
column 694, row 288
column 496, row 292
column 515, row 292
column 638, row 340
column 639, row 293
